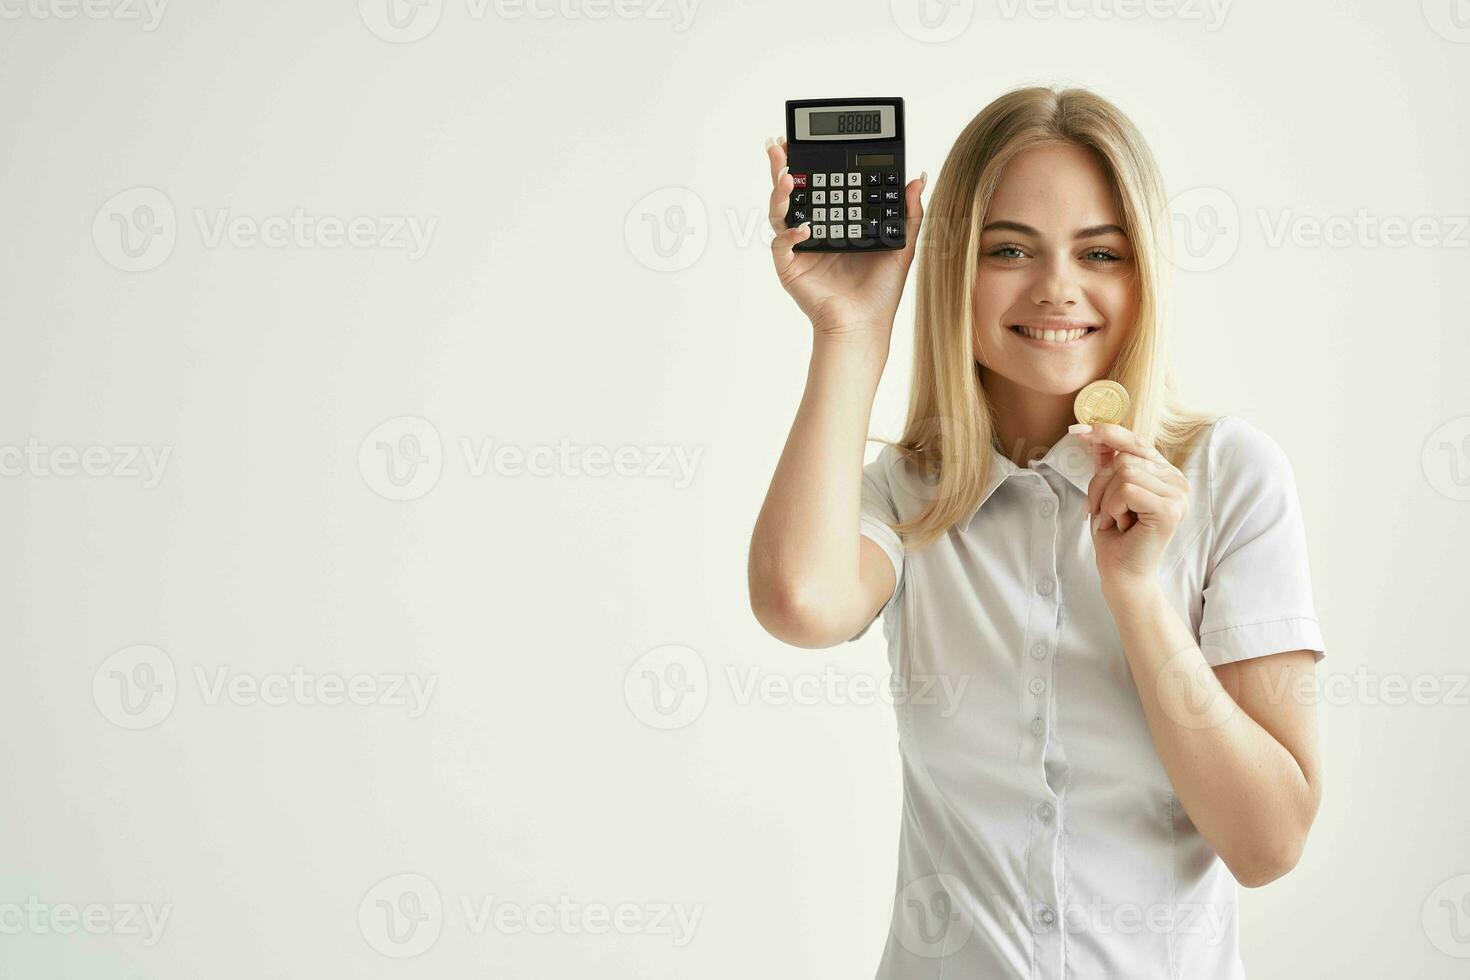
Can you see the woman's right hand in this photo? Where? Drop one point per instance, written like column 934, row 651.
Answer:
column 844, row 294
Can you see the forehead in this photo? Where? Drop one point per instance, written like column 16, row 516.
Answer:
column 1057, row 187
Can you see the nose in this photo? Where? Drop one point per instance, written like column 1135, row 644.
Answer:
column 1054, row 284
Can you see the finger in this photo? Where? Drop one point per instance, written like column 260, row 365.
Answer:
column 1122, row 440
column 1151, row 509
column 1127, row 475
column 782, row 244
column 780, row 200
column 776, row 155
column 1102, row 473
column 914, row 207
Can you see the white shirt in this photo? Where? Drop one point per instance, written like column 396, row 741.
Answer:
column 1041, row 837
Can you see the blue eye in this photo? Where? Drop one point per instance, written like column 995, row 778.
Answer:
column 1103, row 255
column 996, row 252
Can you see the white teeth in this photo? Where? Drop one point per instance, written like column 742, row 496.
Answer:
column 1053, row 336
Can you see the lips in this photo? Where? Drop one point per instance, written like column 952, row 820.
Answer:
column 1054, row 332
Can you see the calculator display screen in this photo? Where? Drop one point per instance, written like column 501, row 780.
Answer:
column 849, row 122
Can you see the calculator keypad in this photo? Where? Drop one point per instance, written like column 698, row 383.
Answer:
column 857, row 206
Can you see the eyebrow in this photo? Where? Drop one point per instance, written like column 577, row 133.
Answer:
column 1016, row 226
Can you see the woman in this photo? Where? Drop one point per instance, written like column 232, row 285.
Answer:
column 1125, row 609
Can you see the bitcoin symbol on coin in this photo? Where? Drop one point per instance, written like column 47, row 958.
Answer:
column 1101, row 401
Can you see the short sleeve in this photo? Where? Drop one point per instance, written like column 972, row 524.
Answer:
column 876, row 520
column 1258, row 590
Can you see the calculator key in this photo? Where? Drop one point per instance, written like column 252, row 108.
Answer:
column 854, row 196
column 890, row 214
column 854, row 179
column 890, row 178
column 819, row 180
column 854, row 214
column 892, row 230
column 874, row 196
column 854, row 231
column 871, row 226
column 836, row 180
column 800, row 180
column 891, row 196
column 819, row 231
column 798, row 197
column 837, row 232
column 819, row 214
column 819, row 197
column 798, row 215
column 874, row 179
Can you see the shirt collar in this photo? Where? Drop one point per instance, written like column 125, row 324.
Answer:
column 1069, row 456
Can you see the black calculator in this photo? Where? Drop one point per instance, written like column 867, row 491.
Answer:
column 846, row 157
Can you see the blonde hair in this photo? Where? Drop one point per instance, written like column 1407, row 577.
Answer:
column 950, row 428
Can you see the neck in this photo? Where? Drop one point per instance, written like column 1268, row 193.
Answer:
column 1027, row 422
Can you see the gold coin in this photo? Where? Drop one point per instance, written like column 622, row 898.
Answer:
column 1101, row 401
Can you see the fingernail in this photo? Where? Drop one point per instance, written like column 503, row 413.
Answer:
column 923, row 179
column 1081, row 428
column 782, row 173
column 770, row 142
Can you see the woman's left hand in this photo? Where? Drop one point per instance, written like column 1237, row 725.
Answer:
column 1135, row 502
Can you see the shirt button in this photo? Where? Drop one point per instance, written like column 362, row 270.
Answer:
column 1037, row 685
column 1038, row 726
column 1046, row 508
column 1038, row 651
column 1046, row 915
column 1045, row 812
column 1044, row 587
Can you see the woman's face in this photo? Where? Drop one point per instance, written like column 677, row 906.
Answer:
column 1053, row 256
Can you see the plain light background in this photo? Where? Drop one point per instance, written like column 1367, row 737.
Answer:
column 608, row 728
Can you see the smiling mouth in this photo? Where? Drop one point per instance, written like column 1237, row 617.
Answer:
column 1054, row 338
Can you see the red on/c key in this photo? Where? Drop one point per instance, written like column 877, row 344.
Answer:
column 800, row 180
